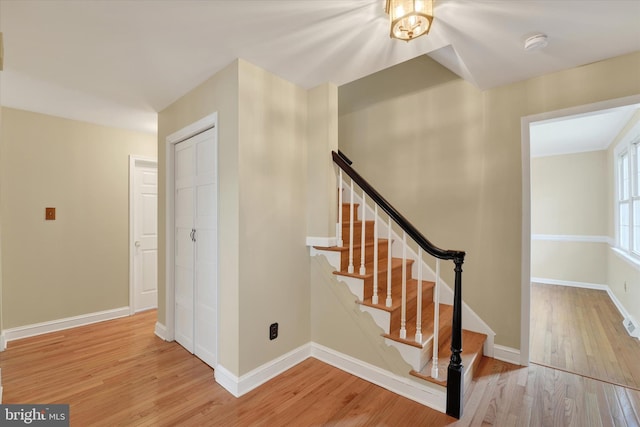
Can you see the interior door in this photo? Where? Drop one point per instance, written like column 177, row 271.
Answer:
column 184, row 247
column 146, row 236
column 206, row 242
column 196, row 268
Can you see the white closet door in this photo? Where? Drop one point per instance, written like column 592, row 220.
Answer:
column 196, row 268
column 206, row 222
column 184, row 247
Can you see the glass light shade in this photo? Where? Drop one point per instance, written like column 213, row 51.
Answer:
column 409, row 18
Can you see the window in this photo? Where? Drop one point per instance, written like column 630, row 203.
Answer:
column 628, row 196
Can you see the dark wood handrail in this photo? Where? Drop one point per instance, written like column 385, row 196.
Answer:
column 455, row 371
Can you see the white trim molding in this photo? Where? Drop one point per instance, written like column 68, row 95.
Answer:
column 325, row 242
column 573, row 238
column 161, row 331
column 586, row 285
column 419, row 392
column 239, row 386
column 509, row 355
column 632, row 261
column 61, row 324
column 3, row 342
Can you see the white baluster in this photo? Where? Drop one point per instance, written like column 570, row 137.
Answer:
column 339, row 227
column 403, row 312
column 350, row 269
column 436, row 321
column 363, row 269
column 388, row 302
column 374, row 299
column 419, row 302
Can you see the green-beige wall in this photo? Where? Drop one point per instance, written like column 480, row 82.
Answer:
column 448, row 155
column 79, row 263
column 570, row 197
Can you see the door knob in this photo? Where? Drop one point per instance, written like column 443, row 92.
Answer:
column 137, row 243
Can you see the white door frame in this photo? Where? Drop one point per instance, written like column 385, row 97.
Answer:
column 134, row 161
column 525, row 321
column 208, row 122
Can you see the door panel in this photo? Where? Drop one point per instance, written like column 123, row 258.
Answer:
column 196, row 246
column 145, row 250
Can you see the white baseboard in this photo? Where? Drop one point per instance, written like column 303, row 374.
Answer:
column 61, row 324
column 161, row 331
column 403, row 386
column 571, row 283
column 3, row 342
column 507, row 354
column 325, row 242
column 239, row 386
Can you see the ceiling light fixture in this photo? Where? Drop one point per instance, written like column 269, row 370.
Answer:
column 536, row 42
column 409, row 18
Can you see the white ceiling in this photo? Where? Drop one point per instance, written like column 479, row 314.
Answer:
column 120, row 62
column 580, row 133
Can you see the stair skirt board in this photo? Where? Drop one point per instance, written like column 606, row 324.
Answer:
column 425, row 394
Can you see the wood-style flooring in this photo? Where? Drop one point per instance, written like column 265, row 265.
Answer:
column 118, row 373
column 580, row 331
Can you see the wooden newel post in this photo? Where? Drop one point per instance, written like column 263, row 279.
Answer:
column 455, row 373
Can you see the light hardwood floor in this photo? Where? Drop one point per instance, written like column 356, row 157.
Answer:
column 118, row 373
column 580, row 331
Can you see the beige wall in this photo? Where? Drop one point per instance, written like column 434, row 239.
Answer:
column 570, row 194
column 570, row 197
column 274, row 259
column 322, row 138
column 79, row 263
column 262, row 155
column 449, row 157
column 570, row 261
column 218, row 94
column 624, row 281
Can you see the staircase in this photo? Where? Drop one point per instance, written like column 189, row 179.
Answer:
column 414, row 334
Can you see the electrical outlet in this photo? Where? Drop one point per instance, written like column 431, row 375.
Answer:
column 273, row 331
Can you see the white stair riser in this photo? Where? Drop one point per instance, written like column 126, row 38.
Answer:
column 356, row 286
column 381, row 317
column 416, row 357
column 332, row 257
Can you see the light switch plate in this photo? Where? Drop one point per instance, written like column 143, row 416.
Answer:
column 50, row 214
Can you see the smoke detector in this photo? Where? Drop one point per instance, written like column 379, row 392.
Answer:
column 536, row 42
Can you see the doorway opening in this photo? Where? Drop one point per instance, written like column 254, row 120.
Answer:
column 564, row 243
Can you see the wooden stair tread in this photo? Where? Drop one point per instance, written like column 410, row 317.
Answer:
column 381, row 242
column 472, row 345
column 446, row 312
column 382, row 268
